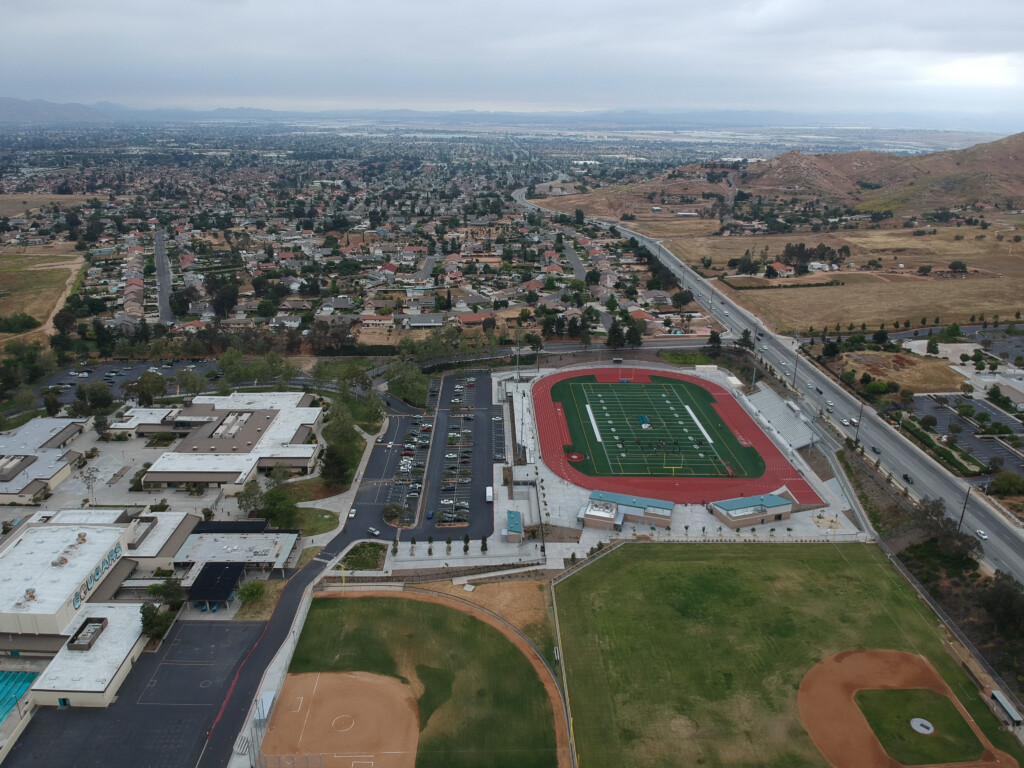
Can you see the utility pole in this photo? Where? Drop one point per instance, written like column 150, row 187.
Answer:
column 964, row 510
column 796, row 359
column 856, row 432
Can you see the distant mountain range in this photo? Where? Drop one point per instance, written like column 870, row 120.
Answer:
column 36, row 112
column 992, row 172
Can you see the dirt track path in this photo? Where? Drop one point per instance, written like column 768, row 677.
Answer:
column 554, row 696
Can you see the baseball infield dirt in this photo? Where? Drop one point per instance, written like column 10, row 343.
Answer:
column 350, row 718
column 561, row 722
column 839, row 729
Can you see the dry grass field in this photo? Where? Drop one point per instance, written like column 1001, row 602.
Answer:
column 35, row 280
column 920, row 374
column 14, row 205
column 882, row 296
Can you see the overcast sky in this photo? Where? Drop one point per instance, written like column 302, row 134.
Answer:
column 797, row 55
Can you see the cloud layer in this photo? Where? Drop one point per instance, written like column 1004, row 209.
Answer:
column 803, row 55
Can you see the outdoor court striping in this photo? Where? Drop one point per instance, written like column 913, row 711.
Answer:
column 658, row 428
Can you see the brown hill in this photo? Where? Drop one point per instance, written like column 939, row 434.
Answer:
column 990, row 173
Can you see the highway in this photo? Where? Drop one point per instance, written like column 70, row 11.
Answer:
column 163, row 278
column 814, row 391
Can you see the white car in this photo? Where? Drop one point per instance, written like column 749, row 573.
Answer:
column 496, row 418
column 373, row 531
column 829, row 403
column 451, row 455
column 446, row 502
column 845, row 422
column 351, row 514
column 982, row 535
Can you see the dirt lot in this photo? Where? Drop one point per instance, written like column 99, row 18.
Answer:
column 919, row 374
column 521, row 603
column 20, row 204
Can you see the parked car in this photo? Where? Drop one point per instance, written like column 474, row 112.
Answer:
column 446, row 502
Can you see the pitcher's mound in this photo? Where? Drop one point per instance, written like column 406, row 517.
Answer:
column 348, row 718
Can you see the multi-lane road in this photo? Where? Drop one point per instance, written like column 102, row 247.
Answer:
column 817, row 392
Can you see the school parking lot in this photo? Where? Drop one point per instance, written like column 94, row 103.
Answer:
column 436, row 467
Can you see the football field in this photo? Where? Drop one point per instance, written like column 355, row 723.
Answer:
column 665, row 428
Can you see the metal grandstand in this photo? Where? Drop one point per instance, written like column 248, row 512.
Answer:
column 784, row 416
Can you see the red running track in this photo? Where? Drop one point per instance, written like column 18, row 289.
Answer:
column 779, row 474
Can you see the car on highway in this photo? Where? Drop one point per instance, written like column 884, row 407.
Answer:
column 829, row 403
column 908, row 479
column 844, row 422
column 373, row 531
column 875, row 449
column 982, row 535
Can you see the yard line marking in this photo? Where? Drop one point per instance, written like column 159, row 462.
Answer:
column 593, row 423
column 699, row 426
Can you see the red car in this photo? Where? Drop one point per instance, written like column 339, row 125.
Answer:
column 407, row 453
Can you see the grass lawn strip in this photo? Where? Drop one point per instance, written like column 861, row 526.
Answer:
column 694, row 655
column 889, row 714
column 481, row 702
column 312, row 521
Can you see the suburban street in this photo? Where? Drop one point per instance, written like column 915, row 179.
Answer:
column 163, row 277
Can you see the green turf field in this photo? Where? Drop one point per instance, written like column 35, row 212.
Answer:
column 482, row 702
column 693, row 654
column 889, row 713
column 667, row 428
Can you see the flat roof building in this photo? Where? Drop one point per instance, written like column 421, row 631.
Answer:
column 35, row 459
column 226, row 441
column 609, row 511
column 104, row 642
column 752, row 510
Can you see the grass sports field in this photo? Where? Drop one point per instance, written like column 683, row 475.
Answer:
column 693, row 655
column 480, row 700
column 665, row 428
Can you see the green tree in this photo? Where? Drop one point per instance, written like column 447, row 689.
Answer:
column 266, row 308
column 616, row 338
column 250, row 498
column 1007, row 483
column 190, row 382
column 169, row 591
column 252, row 591
column 714, row 344
column 155, row 622
column 147, row 387
column 580, row 218
column 746, row 340
column 957, row 266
